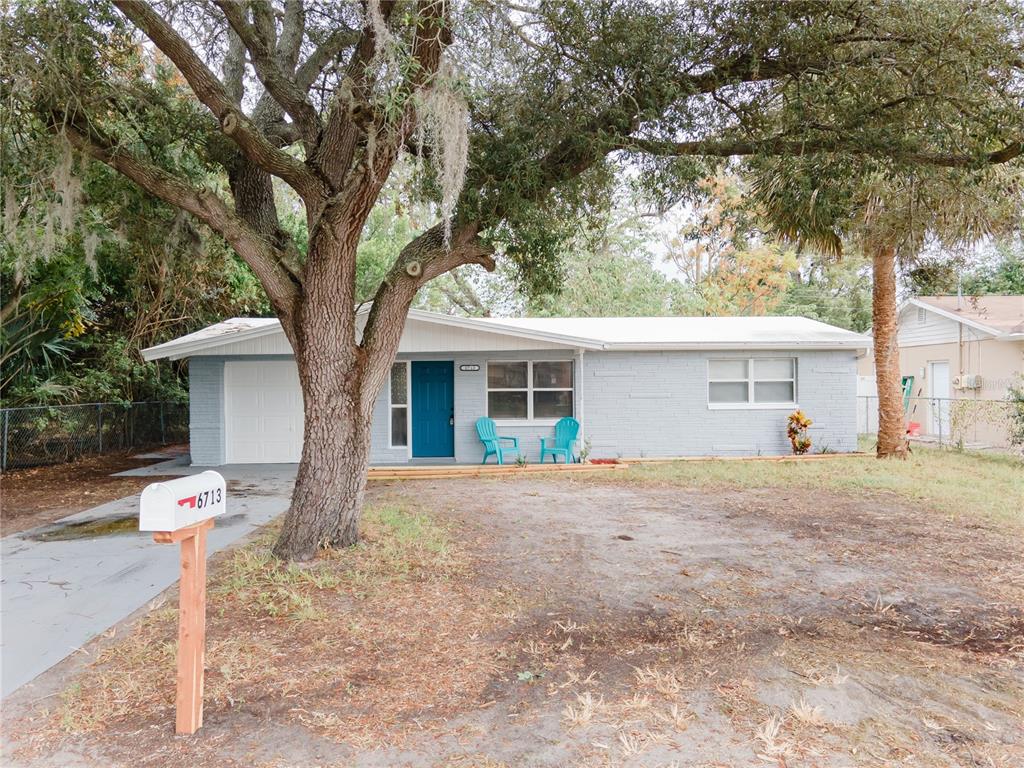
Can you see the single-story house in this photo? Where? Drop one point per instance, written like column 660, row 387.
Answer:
column 640, row 386
column 956, row 348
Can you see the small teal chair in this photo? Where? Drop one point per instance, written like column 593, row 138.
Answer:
column 563, row 444
column 489, row 436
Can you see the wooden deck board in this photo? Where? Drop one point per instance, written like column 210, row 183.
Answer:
column 439, row 472
column 429, row 472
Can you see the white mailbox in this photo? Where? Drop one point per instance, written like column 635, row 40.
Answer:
column 182, row 502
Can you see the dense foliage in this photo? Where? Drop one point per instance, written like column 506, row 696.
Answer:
column 997, row 269
column 140, row 273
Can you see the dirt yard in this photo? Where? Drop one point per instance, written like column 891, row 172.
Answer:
column 584, row 622
column 40, row 495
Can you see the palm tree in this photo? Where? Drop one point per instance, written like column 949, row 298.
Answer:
column 828, row 203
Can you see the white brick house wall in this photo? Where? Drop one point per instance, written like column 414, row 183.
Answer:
column 631, row 403
column 655, row 404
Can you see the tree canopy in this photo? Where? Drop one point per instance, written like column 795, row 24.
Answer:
column 563, row 93
column 520, row 118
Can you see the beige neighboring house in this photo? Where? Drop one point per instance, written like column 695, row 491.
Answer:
column 956, row 348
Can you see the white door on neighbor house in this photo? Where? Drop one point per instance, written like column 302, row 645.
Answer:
column 939, row 391
column 262, row 412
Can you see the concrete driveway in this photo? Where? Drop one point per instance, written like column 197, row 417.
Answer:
column 64, row 583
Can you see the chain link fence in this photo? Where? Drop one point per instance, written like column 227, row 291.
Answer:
column 953, row 422
column 54, row 434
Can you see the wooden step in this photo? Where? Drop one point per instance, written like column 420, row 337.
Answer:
column 431, row 472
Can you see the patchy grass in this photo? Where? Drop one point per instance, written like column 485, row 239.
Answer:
column 519, row 623
column 322, row 633
column 947, row 481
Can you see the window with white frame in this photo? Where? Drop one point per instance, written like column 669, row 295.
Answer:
column 758, row 381
column 399, row 405
column 530, row 390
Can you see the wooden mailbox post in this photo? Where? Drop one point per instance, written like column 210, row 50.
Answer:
column 182, row 510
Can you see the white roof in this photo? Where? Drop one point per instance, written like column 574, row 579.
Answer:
column 595, row 333
column 691, row 332
column 214, row 335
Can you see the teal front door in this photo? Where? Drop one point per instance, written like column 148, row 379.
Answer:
column 433, row 409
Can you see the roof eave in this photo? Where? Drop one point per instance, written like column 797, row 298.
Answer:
column 496, row 326
column 178, row 349
column 734, row 345
column 952, row 316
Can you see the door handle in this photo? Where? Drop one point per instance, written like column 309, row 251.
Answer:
column 451, row 420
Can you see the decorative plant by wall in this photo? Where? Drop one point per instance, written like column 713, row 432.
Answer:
column 1015, row 398
column 585, row 451
column 967, row 416
column 796, row 431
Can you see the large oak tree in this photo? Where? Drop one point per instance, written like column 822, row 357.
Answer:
column 521, row 113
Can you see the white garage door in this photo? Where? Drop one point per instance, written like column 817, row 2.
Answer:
column 262, row 412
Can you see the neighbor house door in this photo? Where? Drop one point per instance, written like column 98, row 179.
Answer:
column 433, row 409
column 939, row 391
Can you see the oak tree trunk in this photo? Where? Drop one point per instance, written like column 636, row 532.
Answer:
column 892, row 439
column 329, row 487
column 341, row 379
column 331, row 477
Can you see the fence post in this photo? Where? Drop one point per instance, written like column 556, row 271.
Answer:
column 7, row 421
column 163, row 433
column 99, row 427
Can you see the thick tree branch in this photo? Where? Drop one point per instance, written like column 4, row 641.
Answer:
column 234, row 69
column 276, row 80
column 326, row 52
column 293, row 29
column 422, row 260
column 350, row 112
column 738, row 148
column 426, row 258
column 209, row 90
column 432, row 35
column 201, row 203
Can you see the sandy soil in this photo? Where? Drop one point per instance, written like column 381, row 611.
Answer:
column 650, row 626
column 40, row 495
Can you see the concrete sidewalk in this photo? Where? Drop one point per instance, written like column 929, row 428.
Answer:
column 63, row 584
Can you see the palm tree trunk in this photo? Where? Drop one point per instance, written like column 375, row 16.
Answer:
column 892, row 440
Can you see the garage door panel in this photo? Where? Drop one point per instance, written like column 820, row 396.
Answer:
column 247, row 398
column 263, row 412
column 274, row 427
column 246, row 425
column 246, row 455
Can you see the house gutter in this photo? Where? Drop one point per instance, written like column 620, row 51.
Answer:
column 582, row 420
column 734, row 345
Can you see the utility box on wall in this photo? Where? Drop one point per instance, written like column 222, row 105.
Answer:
column 967, row 381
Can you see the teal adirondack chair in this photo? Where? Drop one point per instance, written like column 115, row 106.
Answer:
column 489, row 436
column 563, row 444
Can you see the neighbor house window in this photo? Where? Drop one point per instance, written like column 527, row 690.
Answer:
column 399, row 405
column 753, row 381
column 530, row 390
